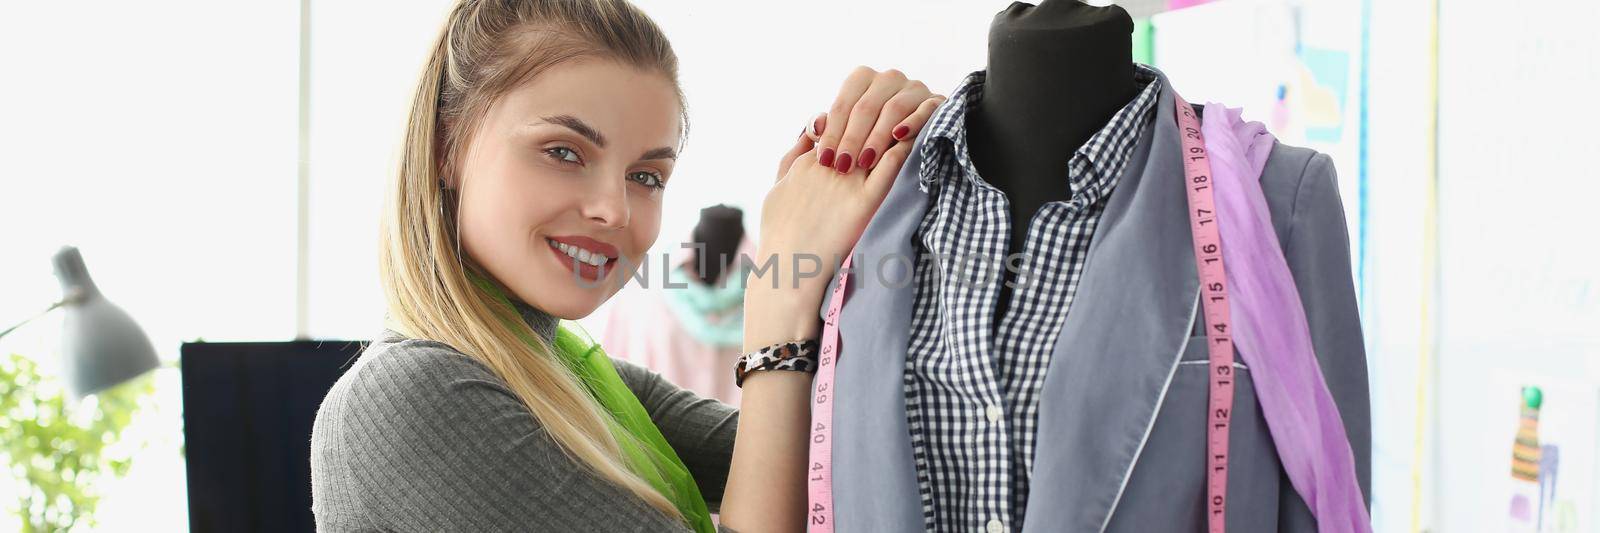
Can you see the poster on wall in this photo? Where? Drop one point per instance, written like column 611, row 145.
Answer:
column 1292, row 66
column 1541, row 457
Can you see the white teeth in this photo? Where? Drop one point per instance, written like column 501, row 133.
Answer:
column 586, row 256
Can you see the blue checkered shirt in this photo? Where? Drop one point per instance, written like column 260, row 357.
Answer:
column 972, row 389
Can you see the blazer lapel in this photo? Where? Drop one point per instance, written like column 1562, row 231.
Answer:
column 875, row 479
column 1114, row 359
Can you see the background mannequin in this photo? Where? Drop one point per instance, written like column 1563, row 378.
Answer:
column 720, row 230
column 689, row 326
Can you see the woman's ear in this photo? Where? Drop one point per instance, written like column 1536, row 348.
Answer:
column 447, row 179
column 441, row 161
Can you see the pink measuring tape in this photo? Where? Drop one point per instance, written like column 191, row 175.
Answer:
column 819, row 478
column 1214, row 300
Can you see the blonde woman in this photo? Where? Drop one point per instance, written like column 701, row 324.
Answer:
column 541, row 137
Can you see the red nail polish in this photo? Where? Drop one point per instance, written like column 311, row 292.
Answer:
column 826, row 158
column 867, row 157
column 901, row 131
column 844, row 162
column 818, row 124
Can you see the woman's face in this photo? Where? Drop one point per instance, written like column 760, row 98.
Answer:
column 562, row 182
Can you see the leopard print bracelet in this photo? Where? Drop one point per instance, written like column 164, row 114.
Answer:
column 800, row 356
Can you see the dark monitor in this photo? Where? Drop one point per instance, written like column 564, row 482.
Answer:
column 247, row 414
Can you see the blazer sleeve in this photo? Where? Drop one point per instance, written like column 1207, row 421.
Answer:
column 1318, row 253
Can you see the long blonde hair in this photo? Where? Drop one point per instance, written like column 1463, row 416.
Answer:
column 485, row 49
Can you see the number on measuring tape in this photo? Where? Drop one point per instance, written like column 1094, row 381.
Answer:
column 819, row 486
column 1214, row 299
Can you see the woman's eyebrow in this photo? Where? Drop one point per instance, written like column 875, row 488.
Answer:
column 588, row 132
column 579, row 126
column 665, row 152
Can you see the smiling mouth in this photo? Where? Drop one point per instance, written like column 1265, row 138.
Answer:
column 583, row 255
column 590, row 264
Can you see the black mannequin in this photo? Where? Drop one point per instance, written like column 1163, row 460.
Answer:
column 1057, row 72
column 720, row 230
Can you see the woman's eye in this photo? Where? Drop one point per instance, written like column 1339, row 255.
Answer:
column 648, row 179
column 564, row 154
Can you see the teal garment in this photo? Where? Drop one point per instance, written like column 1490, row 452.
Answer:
column 646, row 450
column 693, row 302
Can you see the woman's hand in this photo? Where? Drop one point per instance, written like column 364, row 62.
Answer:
column 815, row 213
column 872, row 112
column 811, row 218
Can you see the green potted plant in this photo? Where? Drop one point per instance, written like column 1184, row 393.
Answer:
column 59, row 452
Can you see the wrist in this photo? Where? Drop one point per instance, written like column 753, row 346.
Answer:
column 798, row 356
column 800, row 271
column 773, row 316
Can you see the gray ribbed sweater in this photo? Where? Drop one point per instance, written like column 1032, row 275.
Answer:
column 418, row 437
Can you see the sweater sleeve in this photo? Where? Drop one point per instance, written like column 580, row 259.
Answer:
column 434, row 441
column 700, row 429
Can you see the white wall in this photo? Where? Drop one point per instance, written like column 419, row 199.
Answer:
column 1398, row 154
column 159, row 137
column 1520, row 247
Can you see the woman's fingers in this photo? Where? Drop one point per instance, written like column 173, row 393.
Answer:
column 802, row 145
column 865, row 113
column 854, row 86
column 892, row 118
column 907, row 129
column 894, row 112
column 882, row 176
column 818, row 125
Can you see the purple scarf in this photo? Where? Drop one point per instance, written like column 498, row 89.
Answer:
column 1271, row 332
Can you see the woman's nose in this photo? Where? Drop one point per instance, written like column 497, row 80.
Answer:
column 608, row 204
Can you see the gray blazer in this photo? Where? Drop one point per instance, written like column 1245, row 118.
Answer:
column 1122, row 414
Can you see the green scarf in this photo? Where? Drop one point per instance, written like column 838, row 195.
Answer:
column 648, row 454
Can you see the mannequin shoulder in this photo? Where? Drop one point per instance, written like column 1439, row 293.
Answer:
column 1288, row 166
column 1296, row 178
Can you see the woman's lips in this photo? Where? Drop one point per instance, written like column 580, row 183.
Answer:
column 589, row 273
column 590, row 244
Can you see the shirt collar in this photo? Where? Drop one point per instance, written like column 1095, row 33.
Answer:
column 1106, row 152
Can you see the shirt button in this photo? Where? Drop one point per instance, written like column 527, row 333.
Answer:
column 995, row 526
column 993, row 412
